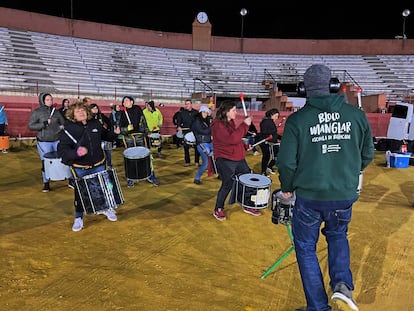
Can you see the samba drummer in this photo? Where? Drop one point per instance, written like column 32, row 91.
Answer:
column 229, row 153
column 80, row 148
column 154, row 119
column 134, row 128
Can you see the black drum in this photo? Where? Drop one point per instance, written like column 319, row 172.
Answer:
column 155, row 139
column 253, row 190
column 99, row 191
column 137, row 161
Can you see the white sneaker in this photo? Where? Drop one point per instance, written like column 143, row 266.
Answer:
column 270, row 171
column 78, row 224
column 110, row 214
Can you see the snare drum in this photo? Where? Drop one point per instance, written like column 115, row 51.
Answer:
column 106, row 145
column 155, row 139
column 99, row 191
column 189, row 139
column 179, row 134
column 253, row 190
column 137, row 161
column 54, row 168
column 282, row 209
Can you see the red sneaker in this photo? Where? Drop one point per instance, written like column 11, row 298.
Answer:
column 219, row 214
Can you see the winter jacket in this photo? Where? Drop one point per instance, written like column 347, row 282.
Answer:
column 268, row 127
column 324, row 147
column 201, row 129
column 3, row 116
column 89, row 136
column 154, row 119
column 38, row 121
column 227, row 140
column 186, row 118
column 137, row 120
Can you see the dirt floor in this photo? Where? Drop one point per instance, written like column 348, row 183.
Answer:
column 167, row 252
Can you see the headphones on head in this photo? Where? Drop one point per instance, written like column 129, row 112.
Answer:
column 334, row 87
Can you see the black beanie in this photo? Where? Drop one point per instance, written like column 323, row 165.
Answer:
column 316, row 79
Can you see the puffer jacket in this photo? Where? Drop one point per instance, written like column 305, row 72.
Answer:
column 38, row 121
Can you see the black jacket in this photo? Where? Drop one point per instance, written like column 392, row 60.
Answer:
column 201, row 129
column 90, row 136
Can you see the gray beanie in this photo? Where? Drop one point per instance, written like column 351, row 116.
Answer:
column 316, row 79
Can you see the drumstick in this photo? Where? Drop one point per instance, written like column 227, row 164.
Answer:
column 262, row 141
column 244, row 105
column 71, row 137
column 51, row 114
column 283, row 120
column 127, row 115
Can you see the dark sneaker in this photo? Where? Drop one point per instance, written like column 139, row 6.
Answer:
column 161, row 156
column 197, row 181
column 154, row 181
column 342, row 297
column 252, row 211
column 46, row 187
column 130, row 183
column 219, row 214
column 71, row 184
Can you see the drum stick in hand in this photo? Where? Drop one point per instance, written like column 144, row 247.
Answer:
column 127, row 115
column 262, row 141
column 243, row 104
column 71, row 137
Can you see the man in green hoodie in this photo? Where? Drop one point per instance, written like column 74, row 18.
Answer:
column 324, row 147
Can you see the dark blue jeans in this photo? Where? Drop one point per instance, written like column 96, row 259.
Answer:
column 307, row 219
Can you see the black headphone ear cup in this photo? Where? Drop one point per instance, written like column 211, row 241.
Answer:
column 334, row 85
column 300, row 89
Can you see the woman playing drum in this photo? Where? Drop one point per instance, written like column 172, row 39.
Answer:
column 80, row 147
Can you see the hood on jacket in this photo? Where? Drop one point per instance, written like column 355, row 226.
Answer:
column 328, row 103
column 42, row 98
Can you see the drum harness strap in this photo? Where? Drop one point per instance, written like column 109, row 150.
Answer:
column 85, row 167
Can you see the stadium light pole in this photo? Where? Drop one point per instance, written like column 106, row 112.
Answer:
column 243, row 13
column 405, row 14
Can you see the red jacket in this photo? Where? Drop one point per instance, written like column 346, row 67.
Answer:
column 227, row 140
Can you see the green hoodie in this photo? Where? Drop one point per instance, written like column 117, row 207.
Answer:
column 324, row 147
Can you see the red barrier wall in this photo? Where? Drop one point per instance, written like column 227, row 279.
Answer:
column 18, row 110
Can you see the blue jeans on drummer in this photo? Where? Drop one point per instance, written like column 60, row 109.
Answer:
column 80, row 172
column 204, row 149
column 308, row 216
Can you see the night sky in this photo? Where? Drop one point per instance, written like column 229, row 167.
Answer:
column 265, row 19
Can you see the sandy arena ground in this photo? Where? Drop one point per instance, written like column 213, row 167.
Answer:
column 167, row 252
